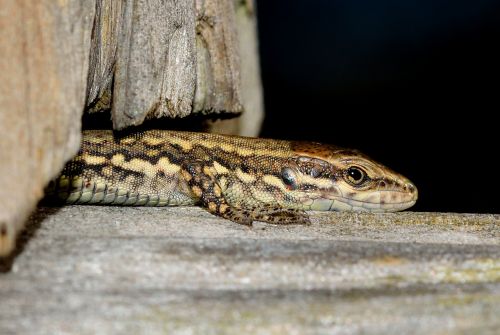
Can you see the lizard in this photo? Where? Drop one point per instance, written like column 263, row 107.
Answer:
column 241, row 179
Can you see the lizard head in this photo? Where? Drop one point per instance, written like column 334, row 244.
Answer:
column 324, row 177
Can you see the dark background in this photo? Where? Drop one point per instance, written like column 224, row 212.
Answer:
column 414, row 84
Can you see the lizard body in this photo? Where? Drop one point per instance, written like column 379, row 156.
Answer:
column 239, row 178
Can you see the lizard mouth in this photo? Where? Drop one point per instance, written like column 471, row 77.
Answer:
column 375, row 203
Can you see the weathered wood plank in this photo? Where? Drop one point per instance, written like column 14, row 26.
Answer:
column 218, row 81
column 249, row 123
column 44, row 63
column 173, row 59
column 181, row 270
column 103, row 53
column 155, row 67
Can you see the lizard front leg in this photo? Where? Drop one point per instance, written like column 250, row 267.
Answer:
column 203, row 183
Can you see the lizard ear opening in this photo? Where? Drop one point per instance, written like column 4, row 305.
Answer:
column 289, row 178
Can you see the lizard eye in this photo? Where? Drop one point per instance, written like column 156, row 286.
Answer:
column 355, row 176
column 289, row 178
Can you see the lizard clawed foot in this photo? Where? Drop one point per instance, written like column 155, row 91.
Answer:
column 204, row 186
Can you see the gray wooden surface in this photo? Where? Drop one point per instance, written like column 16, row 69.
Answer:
column 112, row 270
